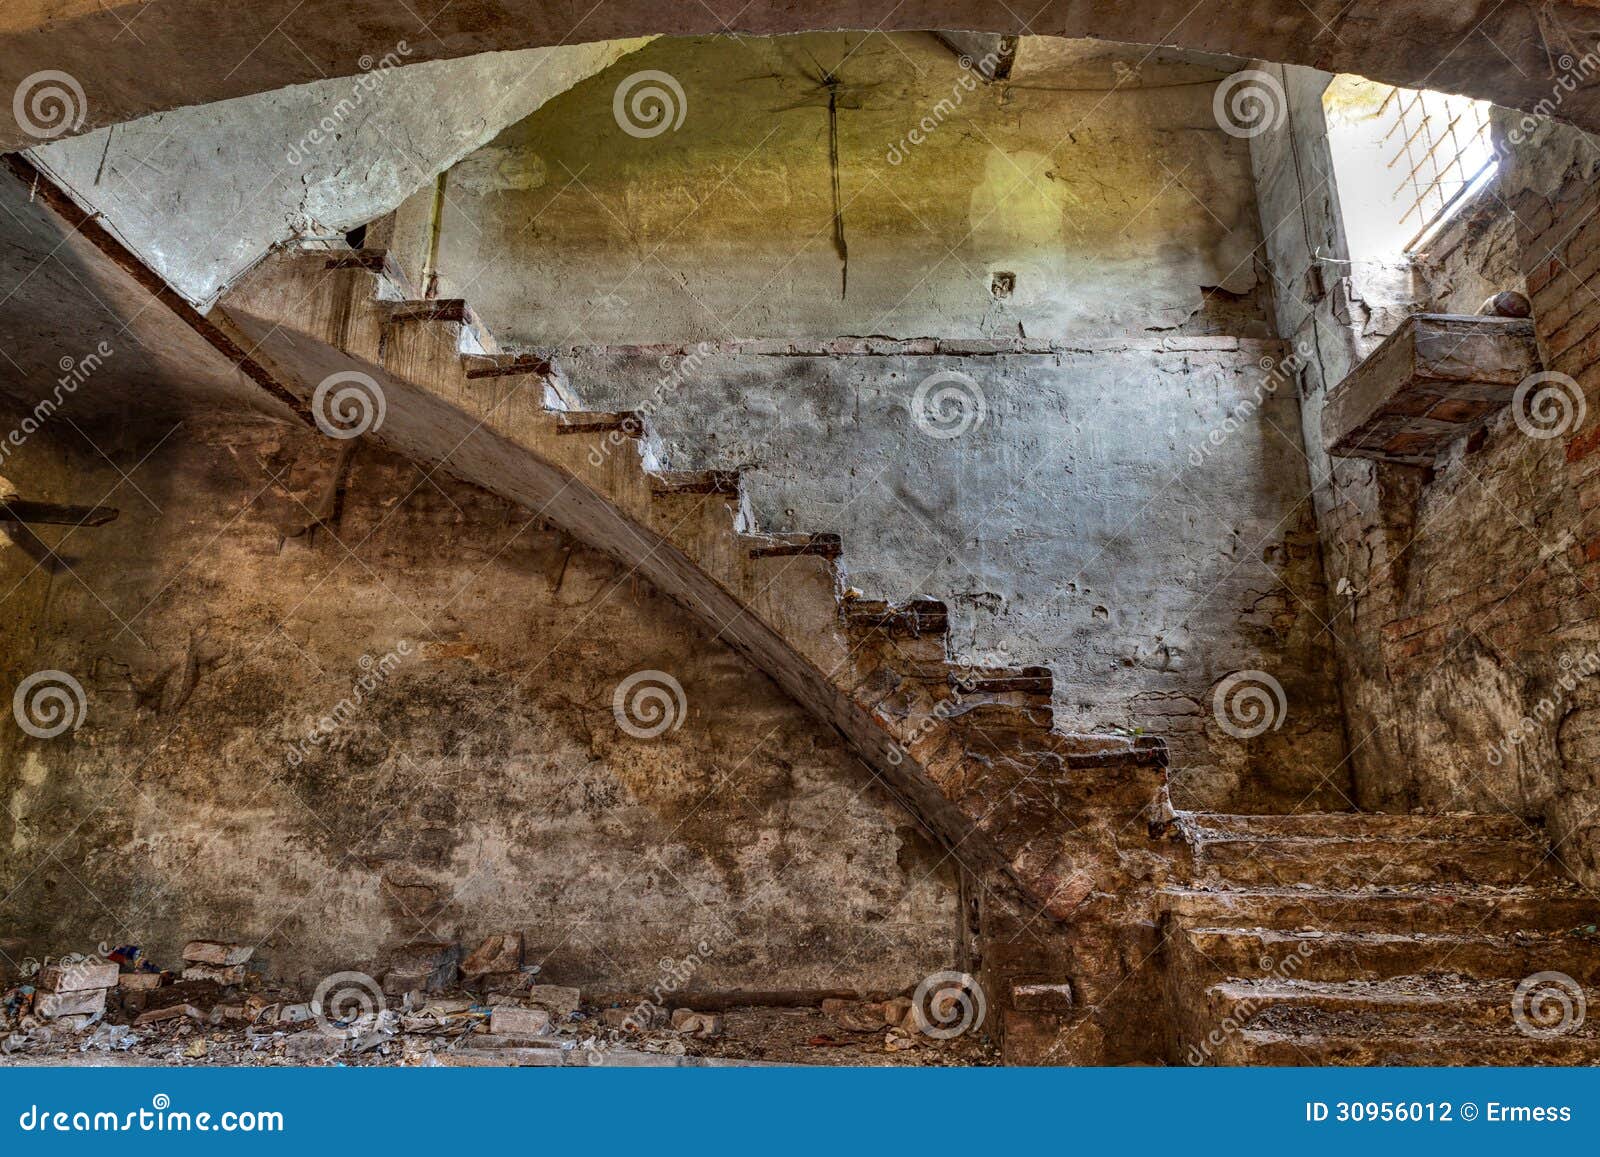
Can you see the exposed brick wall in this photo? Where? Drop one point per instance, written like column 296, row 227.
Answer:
column 1467, row 597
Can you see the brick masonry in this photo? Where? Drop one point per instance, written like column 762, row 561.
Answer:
column 1465, row 595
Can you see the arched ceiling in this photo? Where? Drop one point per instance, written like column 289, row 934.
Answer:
column 128, row 58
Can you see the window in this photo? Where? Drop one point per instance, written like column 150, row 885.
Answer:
column 1405, row 159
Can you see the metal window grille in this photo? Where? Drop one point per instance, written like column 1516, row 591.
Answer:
column 1438, row 146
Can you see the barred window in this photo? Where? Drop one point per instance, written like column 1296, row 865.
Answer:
column 1405, row 159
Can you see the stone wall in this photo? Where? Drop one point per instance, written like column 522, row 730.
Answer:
column 475, row 778
column 1464, row 596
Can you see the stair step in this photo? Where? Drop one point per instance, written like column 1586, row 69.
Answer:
column 626, row 422
column 1362, row 825
column 1255, row 953
column 504, row 365
column 452, row 309
column 908, row 620
column 1438, row 1005
column 1339, row 862
column 1286, row 1049
column 696, row 482
column 790, row 545
column 1036, row 681
column 1417, row 909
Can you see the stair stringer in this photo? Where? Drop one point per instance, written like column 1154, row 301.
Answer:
column 776, row 598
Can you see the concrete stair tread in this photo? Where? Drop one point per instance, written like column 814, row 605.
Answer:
column 1357, row 825
column 1282, row 935
column 1349, row 862
column 1449, row 991
column 1556, row 906
column 1270, row 1047
column 1211, row 954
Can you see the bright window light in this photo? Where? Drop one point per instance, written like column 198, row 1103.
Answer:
column 1405, row 159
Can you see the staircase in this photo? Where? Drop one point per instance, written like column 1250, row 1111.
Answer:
column 1360, row 939
column 970, row 751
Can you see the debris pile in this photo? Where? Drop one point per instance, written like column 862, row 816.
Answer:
column 433, row 1006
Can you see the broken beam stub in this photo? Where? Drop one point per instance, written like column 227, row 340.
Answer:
column 907, row 620
column 438, row 309
column 822, row 545
column 724, row 482
column 1037, row 681
column 55, row 513
column 581, row 422
column 505, row 367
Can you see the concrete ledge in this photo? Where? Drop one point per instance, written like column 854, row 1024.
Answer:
column 1437, row 377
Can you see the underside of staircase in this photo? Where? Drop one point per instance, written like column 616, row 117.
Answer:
column 1358, row 939
column 970, row 751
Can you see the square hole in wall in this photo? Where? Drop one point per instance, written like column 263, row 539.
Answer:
column 1001, row 285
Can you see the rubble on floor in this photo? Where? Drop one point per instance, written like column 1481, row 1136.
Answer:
column 434, row 1007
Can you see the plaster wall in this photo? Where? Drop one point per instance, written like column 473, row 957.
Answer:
column 480, row 783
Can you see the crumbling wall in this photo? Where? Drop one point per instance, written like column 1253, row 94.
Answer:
column 334, row 704
column 1463, row 596
column 753, row 194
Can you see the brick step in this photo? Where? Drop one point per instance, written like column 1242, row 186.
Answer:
column 1208, row 954
column 1339, row 863
column 1362, row 825
column 1417, row 909
column 1288, row 1049
column 1439, row 1005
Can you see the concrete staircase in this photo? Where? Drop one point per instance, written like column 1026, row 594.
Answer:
column 1355, row 939
column 970, row 751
